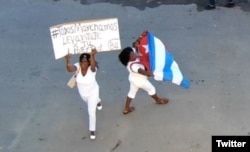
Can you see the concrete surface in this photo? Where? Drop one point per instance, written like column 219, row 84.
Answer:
column 39, row 113
column 142, row 4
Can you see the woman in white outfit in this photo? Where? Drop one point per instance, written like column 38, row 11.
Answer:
column 138, row 78
column 87, row 85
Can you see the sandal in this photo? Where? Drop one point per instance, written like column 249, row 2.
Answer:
column 162, row 101
column 127, row 111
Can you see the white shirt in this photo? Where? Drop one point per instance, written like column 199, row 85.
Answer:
column 133, row 67
column 87, row 83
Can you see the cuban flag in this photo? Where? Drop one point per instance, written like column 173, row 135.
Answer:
column 156, row 57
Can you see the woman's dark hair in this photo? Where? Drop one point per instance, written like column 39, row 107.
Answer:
column 87, row 56
column 124, row 55
column 84, row 55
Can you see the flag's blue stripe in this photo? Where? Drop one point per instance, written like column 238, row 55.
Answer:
column 169, row 59
column 167, row 72
column 151, row 47
column 168, row 75
column 185, row 83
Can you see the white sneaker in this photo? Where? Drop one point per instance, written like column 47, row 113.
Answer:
column 99, row 107
column 92, row 135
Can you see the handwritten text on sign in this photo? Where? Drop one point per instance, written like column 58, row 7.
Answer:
column 79, row 37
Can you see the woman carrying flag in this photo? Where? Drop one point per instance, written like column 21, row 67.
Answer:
column 138, row 78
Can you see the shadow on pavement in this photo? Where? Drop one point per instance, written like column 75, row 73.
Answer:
column 142, row 4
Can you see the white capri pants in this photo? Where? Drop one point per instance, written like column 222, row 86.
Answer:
column 142, row 84
column 92, row 100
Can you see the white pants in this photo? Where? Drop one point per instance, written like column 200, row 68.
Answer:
column 143, row 84
column 92, row 100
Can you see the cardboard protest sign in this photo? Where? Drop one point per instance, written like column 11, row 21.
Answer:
column 81, row 36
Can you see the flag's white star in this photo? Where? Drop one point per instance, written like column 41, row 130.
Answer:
column 146, row 48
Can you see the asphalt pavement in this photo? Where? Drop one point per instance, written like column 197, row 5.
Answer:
column 38, row 112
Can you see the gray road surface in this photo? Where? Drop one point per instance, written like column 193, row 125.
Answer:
column 38, row 113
